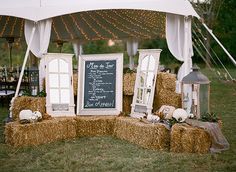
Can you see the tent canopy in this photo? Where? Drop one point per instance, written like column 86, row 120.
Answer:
column 95, row 25
column 91, row 19
column 37, row 10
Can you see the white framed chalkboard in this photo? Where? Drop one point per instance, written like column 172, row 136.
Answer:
column 100, row 84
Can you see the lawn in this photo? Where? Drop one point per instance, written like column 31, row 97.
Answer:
column 111, row 154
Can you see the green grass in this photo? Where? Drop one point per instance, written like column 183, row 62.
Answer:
column 111, row 154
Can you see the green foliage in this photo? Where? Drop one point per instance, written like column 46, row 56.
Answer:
column 209, row 117
column 40, row 94
column 128, row 70
column 26, row 93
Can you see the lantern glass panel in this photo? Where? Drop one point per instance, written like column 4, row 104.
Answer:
column 204, row 98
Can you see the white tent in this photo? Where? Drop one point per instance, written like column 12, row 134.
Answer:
column 39, row 13
column 37, row 10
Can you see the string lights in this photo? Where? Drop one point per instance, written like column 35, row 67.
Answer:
column 97, row 25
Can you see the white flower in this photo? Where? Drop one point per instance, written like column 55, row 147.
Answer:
column 180, row 115
column 153, row 118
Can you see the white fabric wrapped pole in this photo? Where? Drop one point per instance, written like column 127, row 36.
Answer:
column 78, row 49
column 40, row 43
column 179, row 41
column 132, row 48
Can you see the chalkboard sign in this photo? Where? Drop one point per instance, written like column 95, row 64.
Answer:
column 100, row 84
column 100, row 78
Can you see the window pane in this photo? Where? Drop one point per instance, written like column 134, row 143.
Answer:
column 53, row 81
column 64, row 81
column 150, row 79
column 151, row 63
column 64, row 66
column 54, row 96
column 53, row 66
column 65, row 96
column 144, row 64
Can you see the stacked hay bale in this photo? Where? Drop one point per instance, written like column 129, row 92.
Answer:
column 146, row 135
column 38, row 133
column 75, row 83
column 25, row 102
column 185, row 138
column 165, row 91
column 95, row 125
column 128, row 91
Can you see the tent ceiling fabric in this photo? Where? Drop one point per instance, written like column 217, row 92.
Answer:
column 96, row 25
column 37, row 10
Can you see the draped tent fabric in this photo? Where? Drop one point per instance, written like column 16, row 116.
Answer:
column 41, row 37
column 37, row 10
column 179, row 41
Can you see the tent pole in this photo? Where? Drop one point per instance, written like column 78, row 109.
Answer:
column 24, row 63
column 229, row 55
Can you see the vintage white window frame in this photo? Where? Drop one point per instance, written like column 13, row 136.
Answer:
column 149, row 106
column 119, row 84
column 71, row 106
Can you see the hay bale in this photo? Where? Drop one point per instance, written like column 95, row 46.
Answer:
column 146, row 135
column 128, row 83
column 166, row 97
column 25, row 102
column 75, row 83
column 127, row 101
column 38, row 133
column 166, row 81
column 185, row 138
column 94, row 125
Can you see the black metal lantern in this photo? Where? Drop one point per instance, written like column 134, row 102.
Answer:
column 33, row 75
column 196, row 92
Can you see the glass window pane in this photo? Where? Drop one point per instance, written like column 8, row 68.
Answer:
column 64, row 81
column 65, row 96
column 64, row 66
column 144, row 63
column 150, row 79
column 53, row 80
column 54, row 96
column 151, row 63
column 53, row 66
column 142, row 79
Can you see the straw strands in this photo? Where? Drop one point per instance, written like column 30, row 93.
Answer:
column 128, row 83
column 25, row 102
column 95, row 125
column 185, row 138
column 38, row 133
column 151, row 136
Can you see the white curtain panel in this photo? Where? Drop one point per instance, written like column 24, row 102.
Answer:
column 41, row 37
column 132, row 48
column 179, row 41
column 40, row 42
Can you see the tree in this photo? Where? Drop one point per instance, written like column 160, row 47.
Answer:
column 209, row 11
